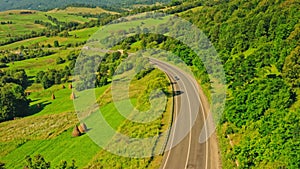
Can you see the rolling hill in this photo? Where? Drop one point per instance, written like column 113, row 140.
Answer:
column 44, row 4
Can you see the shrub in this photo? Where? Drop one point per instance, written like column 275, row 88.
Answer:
column 60, row 60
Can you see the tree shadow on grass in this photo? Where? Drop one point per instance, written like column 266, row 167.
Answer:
column 30, row 80
column 38, row 107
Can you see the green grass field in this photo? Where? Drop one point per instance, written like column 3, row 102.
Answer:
column 62, row 99
column 64, row 147
column 81, row 36
column 48, row 130
column 24, row 23
column 32, row 136
column 136, row 130
column 33, row 66
column 81, row 149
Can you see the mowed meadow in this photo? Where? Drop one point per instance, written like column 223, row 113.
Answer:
column 47, row 128
column 48, row 131
column 23, row 21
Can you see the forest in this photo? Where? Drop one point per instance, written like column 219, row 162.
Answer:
column 259, row 45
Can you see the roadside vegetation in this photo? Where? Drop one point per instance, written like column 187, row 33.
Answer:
column 258, row 42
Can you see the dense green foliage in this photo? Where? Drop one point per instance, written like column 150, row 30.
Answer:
column 291, row 68
column 150, row 40
column 13, row 101
column 111, row 64
column 108, row 67
column 6, row 57
column 39, row 162
column 259, row 44
column 51, row 77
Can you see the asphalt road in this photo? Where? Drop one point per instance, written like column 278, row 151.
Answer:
column 190, row 111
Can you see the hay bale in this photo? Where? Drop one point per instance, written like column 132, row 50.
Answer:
column 70, row 86
column 82, row 128
column 76, row 132
column 53, row 96
column 73, row 96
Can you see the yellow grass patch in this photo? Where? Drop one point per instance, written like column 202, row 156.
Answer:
column 72, row 10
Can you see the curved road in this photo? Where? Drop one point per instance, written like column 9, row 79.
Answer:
column 190, row 112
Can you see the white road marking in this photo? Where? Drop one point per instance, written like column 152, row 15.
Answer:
column 190, row 134
column 196, row 88
column 202, row 108
column 166, row 161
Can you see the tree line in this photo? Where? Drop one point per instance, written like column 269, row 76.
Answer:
column 13, row 101
column 7, row 57
column 52, row 76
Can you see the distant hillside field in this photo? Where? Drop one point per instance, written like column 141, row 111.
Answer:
column 23, row 21
column 44, row 4
column 74, row 10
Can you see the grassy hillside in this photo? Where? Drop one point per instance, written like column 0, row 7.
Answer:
column 22, row 24
column 75, row 10
column 50, row 128
column 43, row 4
column 20, row 136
